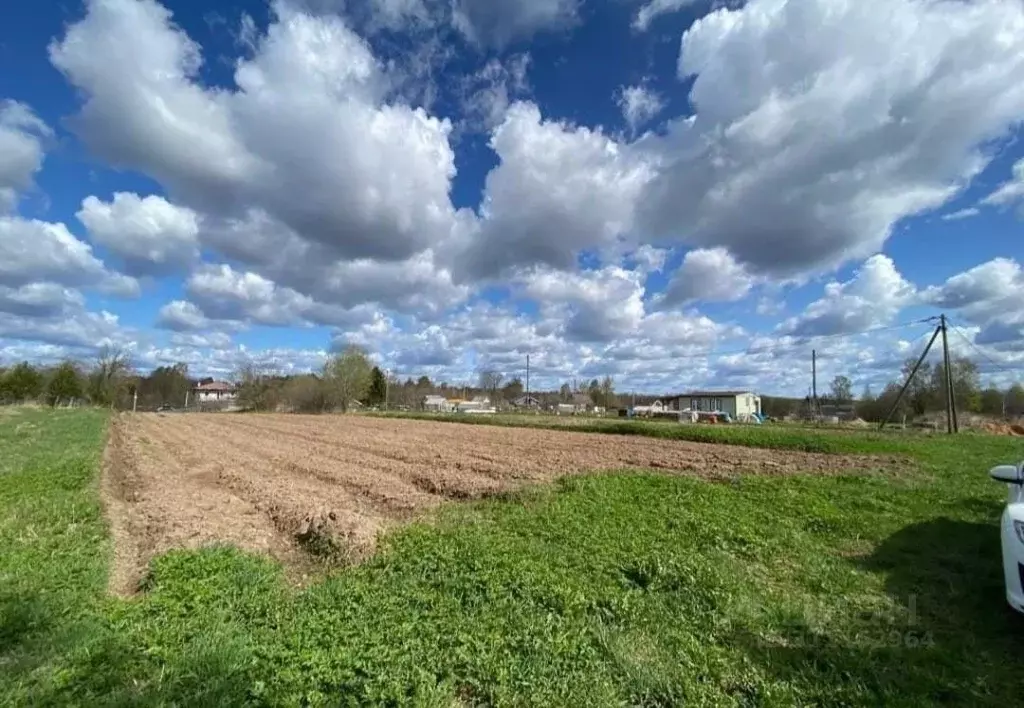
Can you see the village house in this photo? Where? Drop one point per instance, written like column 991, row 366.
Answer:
column 479, row 404
column 214, row 392
column 525, row 401
column 655, row 408
column 579, row 403
column 737, row 404
column 437, row 404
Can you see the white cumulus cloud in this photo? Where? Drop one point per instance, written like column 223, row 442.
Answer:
column 646, row 14
column 708, row 274
column 872, row 298
column 307, row 136
column 152, row 235
column 497, row 24
column 819, row 124
column 21, row 150
column 639, row 104
column 34, row 251
column 558, row 189
column 1011, row 192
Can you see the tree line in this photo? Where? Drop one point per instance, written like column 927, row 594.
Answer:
column 346, row 379
column 925, row 395
column 102, row 383
column 927, row 392
column 350, row 378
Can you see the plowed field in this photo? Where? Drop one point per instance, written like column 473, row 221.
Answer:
column 288, row 484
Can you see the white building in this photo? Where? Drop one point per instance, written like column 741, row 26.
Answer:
column 437, row 404
column 738, row 404
column 480, row 404
column 216, row 391
column 655, row 408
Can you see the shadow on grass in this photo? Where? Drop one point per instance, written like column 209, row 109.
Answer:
column 21, row 616
column 945, row 636
column 92, row 665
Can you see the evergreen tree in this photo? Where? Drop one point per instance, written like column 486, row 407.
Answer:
column 378, row 387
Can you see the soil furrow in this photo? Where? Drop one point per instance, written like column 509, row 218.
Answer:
column 291, row 485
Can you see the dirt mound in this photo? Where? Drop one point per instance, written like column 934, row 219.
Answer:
column 296, row 486
column 995, row 427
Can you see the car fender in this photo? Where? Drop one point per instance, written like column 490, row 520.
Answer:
column 1013, row 550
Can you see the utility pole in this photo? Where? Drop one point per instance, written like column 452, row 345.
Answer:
column 941, row 329
column 814, row 384
column 135, row 399
column 952, row 424
column 186, row 399
column 528, row 381
column 387, row 387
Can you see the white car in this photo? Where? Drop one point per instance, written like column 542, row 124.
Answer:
column 1013, row 532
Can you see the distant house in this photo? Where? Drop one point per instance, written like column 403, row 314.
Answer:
column 578, row 404
column 525, row 401
column 655, row 408
column 437, row 404
column 214, row 392
column 479, row 404
column 738, row 404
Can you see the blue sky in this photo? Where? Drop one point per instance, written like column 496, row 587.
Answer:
column 678, row 193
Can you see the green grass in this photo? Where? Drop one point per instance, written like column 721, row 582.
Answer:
column 609, row 590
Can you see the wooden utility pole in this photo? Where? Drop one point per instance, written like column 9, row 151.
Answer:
column 913, row 372
column 814, row 385
column 135, row 399
column 528, row 381
column 952, row 424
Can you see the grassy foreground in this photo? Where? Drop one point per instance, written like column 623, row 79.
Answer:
column 612, row 590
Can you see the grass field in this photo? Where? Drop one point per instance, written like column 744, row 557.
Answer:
column 605, row 590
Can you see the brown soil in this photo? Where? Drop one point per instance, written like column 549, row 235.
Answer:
column 286, row 484
column 996, row 427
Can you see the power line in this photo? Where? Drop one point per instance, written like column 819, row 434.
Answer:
column 999, row 366
column 802, row 341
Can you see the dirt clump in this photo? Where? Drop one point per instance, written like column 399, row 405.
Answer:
column 296, row 486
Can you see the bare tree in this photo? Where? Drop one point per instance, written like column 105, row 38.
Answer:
column 490, row 381
column 608, row 392
column 842, row 389
column 348, row 376
column 108, row 379
column 255, row 385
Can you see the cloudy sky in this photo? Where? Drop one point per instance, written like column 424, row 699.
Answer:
column 680, row 193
